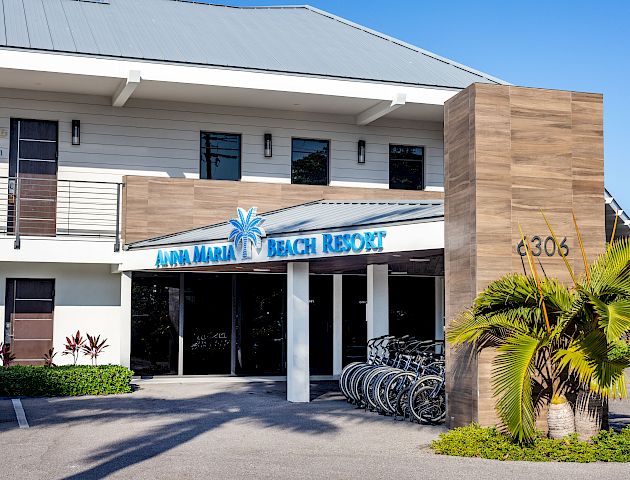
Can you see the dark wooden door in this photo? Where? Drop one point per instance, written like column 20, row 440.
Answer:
column 29, row 307
column 33, row 172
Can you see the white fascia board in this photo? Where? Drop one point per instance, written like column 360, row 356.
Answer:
column 222, row 77
column 398, row 238
column 59, row 250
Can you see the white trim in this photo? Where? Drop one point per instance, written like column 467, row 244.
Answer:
column 398, row 238
column 220, row 77
column 252, row 178
column 59, row 250
column 433, row 189
column 339, row 183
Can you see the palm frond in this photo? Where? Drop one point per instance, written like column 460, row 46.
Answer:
column 611, row 268
column 487, row 329
column 512, row 372
column 590, row 360
column 614, row 317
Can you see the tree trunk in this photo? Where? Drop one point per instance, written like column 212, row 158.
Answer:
column 560, row 419
column 591, row 414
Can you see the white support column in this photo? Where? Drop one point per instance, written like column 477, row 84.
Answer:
column 377, row 308
column 298, row 374
column 125, row 319
column 337, row 324
column 439, row 308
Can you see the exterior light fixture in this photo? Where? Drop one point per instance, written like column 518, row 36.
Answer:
column 419, row 259
column 76, row 132
column 268, row 151
column 361, row 152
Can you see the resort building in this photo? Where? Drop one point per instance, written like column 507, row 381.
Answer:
column 259, row 191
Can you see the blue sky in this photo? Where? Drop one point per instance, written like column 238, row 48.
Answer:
column 573, row 45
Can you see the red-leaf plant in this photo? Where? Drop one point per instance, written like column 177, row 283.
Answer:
column 94, row 347
column 48, row 358
column 6, row 357
column 73, row 346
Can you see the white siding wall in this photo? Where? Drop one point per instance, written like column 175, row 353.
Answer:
column 87, row 298
column 162, row 138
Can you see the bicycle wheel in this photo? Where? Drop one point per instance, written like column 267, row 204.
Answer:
column 343, row 378
column 426, row 404
column 396, row 383
column 356, row 383
column 369, row 385
column 402, row 402
column 381, row 390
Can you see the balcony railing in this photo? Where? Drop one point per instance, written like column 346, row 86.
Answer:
column 34, row 205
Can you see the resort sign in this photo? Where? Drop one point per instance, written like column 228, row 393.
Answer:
column 248, row 242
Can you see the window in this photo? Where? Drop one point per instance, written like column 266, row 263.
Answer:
column 220, row 156
column 309, row 161
column 406, row 167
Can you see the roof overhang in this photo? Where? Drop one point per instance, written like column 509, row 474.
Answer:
column 123, row 80
column 314, row 231
column 616, row 218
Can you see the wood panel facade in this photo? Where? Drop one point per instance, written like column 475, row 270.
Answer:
column 154, row 206
column 511, row 152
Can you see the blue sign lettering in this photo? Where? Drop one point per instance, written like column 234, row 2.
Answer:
column 355, row 242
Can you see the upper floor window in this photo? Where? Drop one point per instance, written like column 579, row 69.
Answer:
column 220, row 156
column 309, row 161
column 406, row 167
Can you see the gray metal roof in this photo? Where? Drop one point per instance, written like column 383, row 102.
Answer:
column 295, row 39
column 315, row 216
column 614, row 213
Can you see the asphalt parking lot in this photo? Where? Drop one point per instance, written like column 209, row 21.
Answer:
column 228, row 430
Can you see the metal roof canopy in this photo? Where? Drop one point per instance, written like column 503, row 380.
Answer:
column 613, row 209
column 314, row 216
column 288, row 39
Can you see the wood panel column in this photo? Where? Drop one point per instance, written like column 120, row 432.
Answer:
column 510, row 152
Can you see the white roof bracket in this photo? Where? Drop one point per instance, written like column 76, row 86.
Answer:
column 126, row 88
column 381, row 109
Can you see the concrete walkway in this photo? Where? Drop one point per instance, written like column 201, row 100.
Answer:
column 236, row 430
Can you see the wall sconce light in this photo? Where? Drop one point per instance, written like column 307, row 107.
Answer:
column 76, row 132
column 268, row 151
column 361, row 152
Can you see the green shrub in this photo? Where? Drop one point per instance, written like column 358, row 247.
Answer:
column 476, row 441
column 70, row 380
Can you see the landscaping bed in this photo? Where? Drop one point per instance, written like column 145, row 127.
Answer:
column 490, row 443
column 70, row 380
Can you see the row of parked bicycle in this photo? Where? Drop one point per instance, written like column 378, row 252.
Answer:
column 402, row 377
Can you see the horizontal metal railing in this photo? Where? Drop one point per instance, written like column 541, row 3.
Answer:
column 36, row 205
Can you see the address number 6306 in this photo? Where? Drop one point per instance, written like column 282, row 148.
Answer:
column 540, row 245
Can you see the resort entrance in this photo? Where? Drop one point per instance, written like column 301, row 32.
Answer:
column 236, row 323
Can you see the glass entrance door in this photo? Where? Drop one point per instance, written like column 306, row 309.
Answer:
column 260, row 327
column 320, row 324
column 207, row 324
column 354, row 324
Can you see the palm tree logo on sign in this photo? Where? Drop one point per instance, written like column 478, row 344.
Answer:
column 247, row 228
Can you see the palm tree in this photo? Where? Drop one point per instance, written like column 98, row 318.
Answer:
column 552, row 339
column 527, row 333
column 601, row 316
column 247, row 229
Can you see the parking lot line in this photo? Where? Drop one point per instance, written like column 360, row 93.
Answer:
column 19, row 413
